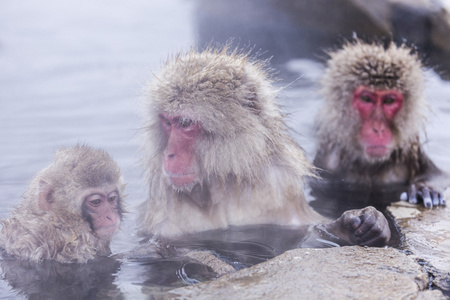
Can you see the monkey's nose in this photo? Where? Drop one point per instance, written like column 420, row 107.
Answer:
column 379, row 130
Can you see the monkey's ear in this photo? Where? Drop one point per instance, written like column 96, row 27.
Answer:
column 45, row 195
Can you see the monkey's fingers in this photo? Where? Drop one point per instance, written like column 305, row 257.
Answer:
column 374, row 232
column 404, row 196
column 435, row 197
column 426, row 197
column 412, row 195
column 365, row 233
column 353, row 223
column 431, row 197
column 376, row 240
column 369, row 218
column 438, row 198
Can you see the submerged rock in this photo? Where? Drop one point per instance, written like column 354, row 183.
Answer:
column 334, row 273
column 427, row 236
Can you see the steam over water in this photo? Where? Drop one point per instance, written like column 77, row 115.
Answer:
column 73, row 72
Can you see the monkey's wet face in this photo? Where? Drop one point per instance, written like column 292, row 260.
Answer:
column 377, row 109
column 101, row 208
column 179, row 163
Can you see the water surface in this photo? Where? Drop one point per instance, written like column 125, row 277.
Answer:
column 73, row 72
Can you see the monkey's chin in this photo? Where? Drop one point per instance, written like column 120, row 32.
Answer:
column 182, row 180
column 377, row 152
column 106, row 233
column 183, row 183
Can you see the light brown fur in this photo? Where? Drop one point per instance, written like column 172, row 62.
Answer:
column 251, row 169
column 60, row 233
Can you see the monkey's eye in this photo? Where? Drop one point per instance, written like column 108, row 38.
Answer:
column 184, row 122
column 112, row 199
column 164, row 120
column 95, row 202
column 366, row 98
column 389, row 99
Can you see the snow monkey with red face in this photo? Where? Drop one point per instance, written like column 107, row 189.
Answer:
column 368, row 129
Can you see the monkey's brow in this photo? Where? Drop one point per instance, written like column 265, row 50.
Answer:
column 104, row 194
column 96, row 194
column 115, row 191
column 385, row 76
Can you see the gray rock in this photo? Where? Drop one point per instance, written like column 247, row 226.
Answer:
column 334, row 273
column 289, row 29
column 427, row 236
column 346, row 272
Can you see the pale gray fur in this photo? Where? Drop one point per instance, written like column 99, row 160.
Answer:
column 251, row 169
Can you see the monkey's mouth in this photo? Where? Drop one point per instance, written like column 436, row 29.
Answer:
column 377, row 151
column 107, row 231
column 182, row 180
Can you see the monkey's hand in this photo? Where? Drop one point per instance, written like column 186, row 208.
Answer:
column 366, row 227
column 430, row 196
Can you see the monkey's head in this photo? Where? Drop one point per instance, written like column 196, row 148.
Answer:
column 374, row 99
column 211, row 115
column 84, row 183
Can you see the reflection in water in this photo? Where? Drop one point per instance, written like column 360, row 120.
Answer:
column 163, row 275
column 97, row 279
column 207, row 255
column 236, row 247
column 331, row 199
column 175, row 272
column 244, row 246
column 53, row 280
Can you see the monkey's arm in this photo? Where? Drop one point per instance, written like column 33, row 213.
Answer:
column 365, row 226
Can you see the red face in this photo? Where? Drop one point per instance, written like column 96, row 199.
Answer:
column 179, row 159
column 101, row 209
column 377, row 109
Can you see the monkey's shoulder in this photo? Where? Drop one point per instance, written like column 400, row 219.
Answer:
column 48, row 237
